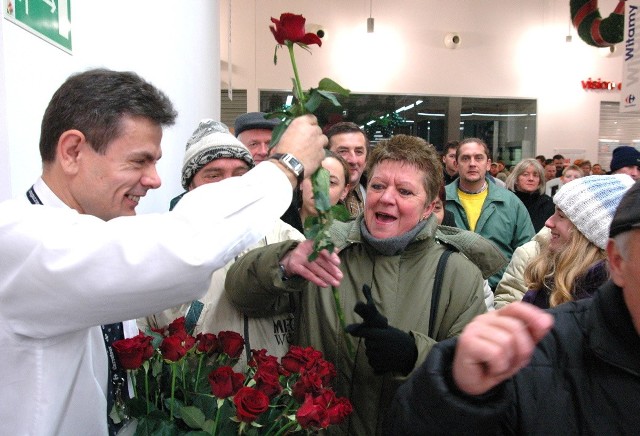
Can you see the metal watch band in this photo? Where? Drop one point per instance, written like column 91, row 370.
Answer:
column 291, row 163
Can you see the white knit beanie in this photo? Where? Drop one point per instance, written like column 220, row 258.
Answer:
column 211, row 140
column 590, row 203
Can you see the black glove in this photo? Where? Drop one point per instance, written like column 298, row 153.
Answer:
column 387, row 348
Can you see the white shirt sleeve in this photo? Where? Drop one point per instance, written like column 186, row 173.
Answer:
column 61, row 271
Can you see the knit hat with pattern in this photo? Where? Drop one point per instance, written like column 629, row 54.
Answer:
column 211, row 140
column 590, row 203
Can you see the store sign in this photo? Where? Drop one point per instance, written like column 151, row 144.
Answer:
column 601, row 85
column 48, row 19
column 631, row 60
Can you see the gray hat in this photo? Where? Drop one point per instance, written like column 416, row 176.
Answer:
column 211, row 140
column 254, row 120
column 590, row 203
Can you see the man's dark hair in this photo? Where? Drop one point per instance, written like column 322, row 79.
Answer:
column 346, row 127
column 558, row 156
column 469, row 140
column 449, row 146
column 94, row 102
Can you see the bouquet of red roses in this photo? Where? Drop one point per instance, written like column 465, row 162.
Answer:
column 188, row 385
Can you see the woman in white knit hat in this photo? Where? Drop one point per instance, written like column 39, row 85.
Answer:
column 571, row 265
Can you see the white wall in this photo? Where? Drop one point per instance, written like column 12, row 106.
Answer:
column 510, row 48
column 173, row 45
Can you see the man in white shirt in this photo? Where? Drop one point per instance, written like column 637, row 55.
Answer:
column 75, row 257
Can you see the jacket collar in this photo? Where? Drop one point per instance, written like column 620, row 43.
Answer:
column 348, row 233
column 612, row 335
column 494, row 193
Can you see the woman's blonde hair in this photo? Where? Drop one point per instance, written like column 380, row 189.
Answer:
column 557, row 272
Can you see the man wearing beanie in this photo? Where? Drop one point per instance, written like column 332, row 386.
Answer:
column 212, row 155
column 574, row 369
column 626, row 160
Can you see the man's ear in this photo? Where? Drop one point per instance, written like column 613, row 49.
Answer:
column 615, row 263
column 488, row 164
column 70, row 146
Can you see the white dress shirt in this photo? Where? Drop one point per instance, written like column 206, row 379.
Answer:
column 63, row 274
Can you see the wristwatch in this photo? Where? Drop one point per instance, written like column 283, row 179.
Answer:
column 291, row 163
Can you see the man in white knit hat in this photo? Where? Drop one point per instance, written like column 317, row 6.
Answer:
column 212, row 155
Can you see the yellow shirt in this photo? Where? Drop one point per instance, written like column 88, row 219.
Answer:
column 472, row 204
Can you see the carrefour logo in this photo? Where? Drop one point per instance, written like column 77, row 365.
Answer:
column 630, row 99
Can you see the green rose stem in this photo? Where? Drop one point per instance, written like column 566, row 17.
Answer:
column 343, row 324
column 174, row 366
column 145, row 365
column 286, row 427
column 219, row 403
column 299, row 91
column 290, row 404
column 195, row 388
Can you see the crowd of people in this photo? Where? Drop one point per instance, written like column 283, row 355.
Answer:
column 430, row 268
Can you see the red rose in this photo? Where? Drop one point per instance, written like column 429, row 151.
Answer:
column 308, row 383
column 325, row 370
column 298, row 358
column 133, row 352
column 267, row 379
column 339, row 410
column 225, row 382
column 176, row 328
column 290, row 27
column 207, row 343
column 250, row 403
column 312, row 414
column 258, row 357
column 174, row 348
column 231, row 343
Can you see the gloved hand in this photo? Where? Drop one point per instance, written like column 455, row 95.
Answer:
column 387, row 348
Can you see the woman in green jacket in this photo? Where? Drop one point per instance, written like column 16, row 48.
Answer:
column 384, row 266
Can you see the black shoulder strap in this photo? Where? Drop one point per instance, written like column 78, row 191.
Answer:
column 437, row 288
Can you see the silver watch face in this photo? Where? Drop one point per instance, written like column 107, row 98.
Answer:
column 293, row 163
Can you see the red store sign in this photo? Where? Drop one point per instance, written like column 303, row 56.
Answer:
column 601, row 85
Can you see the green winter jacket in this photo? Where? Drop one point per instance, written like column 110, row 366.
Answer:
column 504, row 220
column 401, row 286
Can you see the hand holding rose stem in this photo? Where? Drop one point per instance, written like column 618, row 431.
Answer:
column 289, row 30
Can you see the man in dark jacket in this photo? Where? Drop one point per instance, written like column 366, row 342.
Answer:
column 505, row 374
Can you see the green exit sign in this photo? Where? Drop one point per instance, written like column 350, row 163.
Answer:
column 48, row 19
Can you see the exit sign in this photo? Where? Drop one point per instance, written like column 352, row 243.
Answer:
column 48, row 19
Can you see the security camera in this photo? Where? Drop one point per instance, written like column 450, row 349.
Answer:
column 452, row 40
column 317, row 29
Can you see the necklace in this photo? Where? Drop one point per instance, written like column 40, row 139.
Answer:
column 484, row 186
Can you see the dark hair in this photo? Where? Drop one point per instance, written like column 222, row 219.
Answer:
column 94, row 102
column 479, row 141
column 413, row 151
column 346, row 127
column 449, row 145
column 558, row 156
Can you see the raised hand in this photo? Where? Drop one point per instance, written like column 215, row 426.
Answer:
column 324, row 271
column 495, row 346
